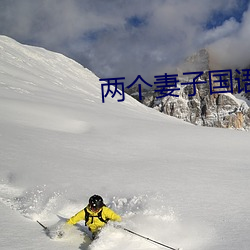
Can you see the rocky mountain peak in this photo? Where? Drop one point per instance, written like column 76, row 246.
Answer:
column 222, row 110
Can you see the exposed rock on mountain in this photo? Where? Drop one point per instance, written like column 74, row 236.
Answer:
column 222, row 110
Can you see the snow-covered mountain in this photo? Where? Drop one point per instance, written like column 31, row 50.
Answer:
column 182, row 185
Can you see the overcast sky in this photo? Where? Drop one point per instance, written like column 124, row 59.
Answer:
column 125, row 38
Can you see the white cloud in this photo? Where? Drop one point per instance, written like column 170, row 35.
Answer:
column 228, row 28
column 232, row 50
column 98, row 34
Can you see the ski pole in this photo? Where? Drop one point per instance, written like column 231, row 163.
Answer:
column 59, row 233
column 146, row 238
column 45, row 228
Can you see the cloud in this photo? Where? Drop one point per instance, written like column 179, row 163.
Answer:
column 232, row 49
column 229, row 27
column 117, row 38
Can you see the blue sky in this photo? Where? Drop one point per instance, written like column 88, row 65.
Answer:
column 126, row 38
column 219, row 16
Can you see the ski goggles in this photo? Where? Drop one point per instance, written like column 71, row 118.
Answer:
column 94, row 208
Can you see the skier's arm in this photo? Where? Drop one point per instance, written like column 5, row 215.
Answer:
column 77, row 217
column 110, row 214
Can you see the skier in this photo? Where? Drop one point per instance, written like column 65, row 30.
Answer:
column 95, row 214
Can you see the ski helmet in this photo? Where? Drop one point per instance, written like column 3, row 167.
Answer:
column 95, row 202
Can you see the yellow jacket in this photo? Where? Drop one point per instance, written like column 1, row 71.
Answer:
column 94, row 223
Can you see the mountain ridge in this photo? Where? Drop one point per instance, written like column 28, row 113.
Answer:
column 223, row 110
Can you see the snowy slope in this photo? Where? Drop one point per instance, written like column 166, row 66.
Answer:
column 179, row 184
